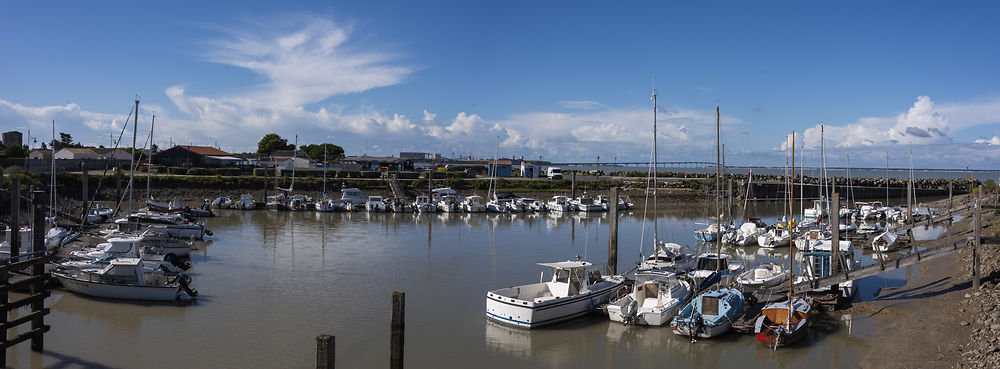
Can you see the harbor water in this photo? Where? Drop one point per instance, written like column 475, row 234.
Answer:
column 271, row 281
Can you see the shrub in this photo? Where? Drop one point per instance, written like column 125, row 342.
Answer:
column 370, row 174
column 199, row 171
column 177, row 170
column 227, row 171
column 260, row 172
column 408, row 175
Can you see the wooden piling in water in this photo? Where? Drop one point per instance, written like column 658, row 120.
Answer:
column 15, row 216
column 835, row 232
column 976, row 225
column 397, row 329
column 613, row 233
column 572, row 186
column 325, row 351
column 37, row 249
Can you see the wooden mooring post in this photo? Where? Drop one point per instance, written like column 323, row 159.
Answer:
column 835, row 232
column 397, row 327
column 977, row 218
column 572, row 186
column 36, row 260
column 613, row 233
column 325, row 351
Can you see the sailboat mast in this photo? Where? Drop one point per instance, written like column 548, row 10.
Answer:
column 886, row 178
column 295, row 154
column 149, row 160
column 791, row 234
column 52, row 179
column 131, row 177
column 785, row 172
column 718, row 184
column 326, row 166
column 656, row 237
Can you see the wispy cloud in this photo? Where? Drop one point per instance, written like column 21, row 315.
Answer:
column 305, row 59
column 581, row 104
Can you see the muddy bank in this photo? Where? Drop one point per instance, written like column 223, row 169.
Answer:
column 936, row 320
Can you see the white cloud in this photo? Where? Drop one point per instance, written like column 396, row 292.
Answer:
column 581, row 104
column 312, row 62
column 992, row 141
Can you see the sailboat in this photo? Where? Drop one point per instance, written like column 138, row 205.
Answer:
column 711, row 313
column 324, row 204
column 777, row 235
column 783, row 323
column 665, row 256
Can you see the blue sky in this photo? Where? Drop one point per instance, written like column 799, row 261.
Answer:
column 564, row 81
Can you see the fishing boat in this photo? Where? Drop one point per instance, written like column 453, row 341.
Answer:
column 474, row 204
column 449, row 203
column 782, row 323
column 656, row 297
column 299, row 202
column 570, row 293
column 128, row 279
column 398, row 205
column 560, row 204
column 710, row 263
column 763, row 276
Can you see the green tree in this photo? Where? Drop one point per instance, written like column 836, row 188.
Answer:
column 271, row 142
column 333, row 152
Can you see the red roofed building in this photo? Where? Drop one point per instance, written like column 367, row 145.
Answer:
column 195, row 156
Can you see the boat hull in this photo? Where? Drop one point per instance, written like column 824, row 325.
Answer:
column 525, row 314
column 122, row 292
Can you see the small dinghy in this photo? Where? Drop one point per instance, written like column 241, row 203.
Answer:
column 885, row 242
column 779, row 325
column 572, row 292
column 763, row 276
column 655, row 299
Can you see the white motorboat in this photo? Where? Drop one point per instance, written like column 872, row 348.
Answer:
column 246, row 202
column 775, row 237
column 745, row 235
column 572, row 292
column 587, row 204
column 173, row 224
column 763, row 276
column 128, row 279
column 99, row 213
column 669, row 256
column 817, row 213
column 375, row 204
column 325, row 205
column 222, row 203
column 708, row 264
column 354, row 197
column 560, row 204
column 399, row 206
column 474, row 204
column 423, row 204
column 299, row 202
column 440, row 193
column 449, row 204
column 655, row 298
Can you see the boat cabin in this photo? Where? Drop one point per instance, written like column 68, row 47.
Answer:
column 711, row 262
column 354, row 196
column 570, row 278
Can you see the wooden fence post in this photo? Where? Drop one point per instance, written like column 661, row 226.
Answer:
column 325, row 351
column 613, row 233
column 977, row 217
column 397, row 329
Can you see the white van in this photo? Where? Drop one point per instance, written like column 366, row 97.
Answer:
column 555, row 173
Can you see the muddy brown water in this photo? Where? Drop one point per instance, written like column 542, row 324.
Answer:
column 271, row 281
